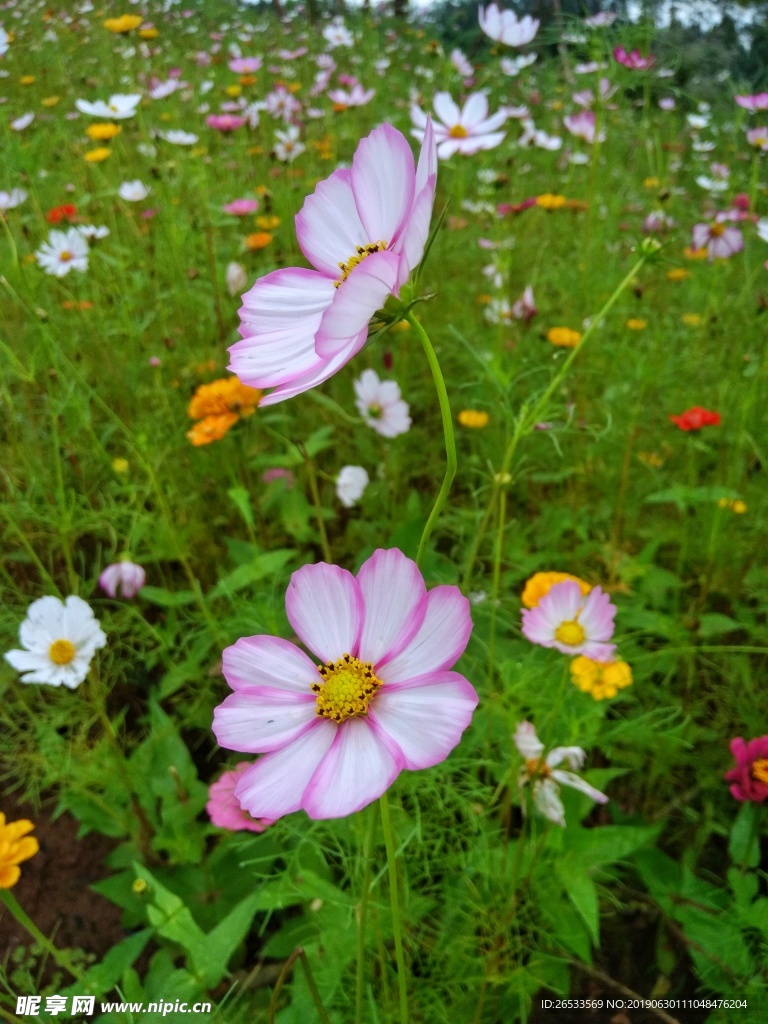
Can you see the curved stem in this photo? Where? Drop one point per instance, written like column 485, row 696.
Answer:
column 450, row 440
column 397, row 925
column 61, row 958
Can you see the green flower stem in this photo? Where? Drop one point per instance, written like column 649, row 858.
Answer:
column 450, row 440
column 397, row 924
column 61, row 958
column 297, row 954
column 312, row 478
column 362, row 920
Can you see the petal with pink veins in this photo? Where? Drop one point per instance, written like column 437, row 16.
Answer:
column 440, row 640
column 275, row 784
column 425, row 717
column 328, row 226
column 357, row 299
column 357, row 769
column 383, row 181
column 260, row 719
column 325, row 606
column 268, row 661
column 325, row 369
column 395, row 599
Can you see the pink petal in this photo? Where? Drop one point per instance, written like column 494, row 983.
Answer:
column 328, row 226
column 355, row 771
column 561, row 603
column 275, row 784
column 426, row 716
column 260, row 719
column 440, row 640
column 358, row 298
column 325, row 606
column 395, row 601
column 280, row 316
column 383, row 180
column 321, row 373
column 597, row 615
column 268, row 661
column 427, row 166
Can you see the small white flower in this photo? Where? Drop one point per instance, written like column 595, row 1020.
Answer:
column 5, row 41
column 178, row 137
column 546, row 777
column 380, row 404
column 117, row 107
column 287, row 145
column 133, row 191
column 338, row 35
column 9, row 200
column 237, row 278
column 60, row 639
column 91, row 231
column 762, row 228
column 64, row 251
column 350, row 484
column 20, row 123
column 122, row 578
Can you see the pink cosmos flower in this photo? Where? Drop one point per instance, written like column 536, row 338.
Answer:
column 720, row 240
column 270, row 475
column 281, row 103
column 571, row 622
column 245, row 65
column 364, row 230
column 634, row 60
column 758, row 137
column 124, row 578
column 525, row 307
column 223, row 808
column 335, row 736
column 657, row 223
column 757, row 102
column 357, row 96
column 464, row 131
column 505, row 27
column 241, row 207
column 583, row 126
column 224, row 122
column 603, row 19
column 381, row 405
column 750, row 776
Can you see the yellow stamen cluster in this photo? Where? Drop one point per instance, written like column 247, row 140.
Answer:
column 458, row 132
column 65, row 256
column 61, row 652
column 537, row 766
column 347, row 688
column 361, row 252
column 570, row 633
column 601, row 679
column 760, row 770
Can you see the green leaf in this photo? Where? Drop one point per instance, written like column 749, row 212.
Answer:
column 593, row 847
column 715, row 624
column 218, row 945
column 263, row 565
column 744, row 840
column 168, row 598
column 168, row 913
column 241, row 499
column 583, row 894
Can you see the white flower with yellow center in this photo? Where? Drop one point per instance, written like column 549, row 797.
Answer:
column 64, row 251
column 61, row 638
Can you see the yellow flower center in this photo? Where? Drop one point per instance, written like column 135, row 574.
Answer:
column 760, row 770
column 458, row 132
column 362, row 252
column 347, row 688
column 61, row 652
column 537, row 766
column 570, row 633
column 716, row 230
column 65, row 256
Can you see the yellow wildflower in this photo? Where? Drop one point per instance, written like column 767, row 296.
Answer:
column 268, row 222
column 15, row 846
column 125, row 23
column 27, row 79
column 734, row 504
column 563, row 337
column 634, row 324
column 96, row 156
column 692, row 319
column 678, row 274
column 473, row 418
column 600, row 678
column 102, row 131
column 121, row 466
column 150, row 32
column 651, row 182
column 233, row 90
column 258, row 240
column 651, row 459
column 50, row 101
column 548, row 201
column 695, row 254
column 540, row 584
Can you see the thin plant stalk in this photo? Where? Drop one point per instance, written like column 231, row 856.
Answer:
column 397, row 924
column 26, row 922
column 363, row 916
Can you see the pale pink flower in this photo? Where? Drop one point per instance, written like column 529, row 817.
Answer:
column 225, row 122
column 466, row 130
column 338, row 34
column 223, row 808
column 571, row 622
column 292, row 54
column 245, row 65
column 241, row 207
column 505, row 27
column 525, row 307
column 381, row 405
column 122, row 578
column 634, row 60
column 757, row 102
column 364, row 230
column 758, row 137
column 667, row 103
column 718, row 238
column 462, row 65
column 350, row 485
column 281, row 103
column 335, row 736
column 287, row 145
column 236, row 278
column 545, row 776
column 603, row 19
column 585, row 98
column 583, row 126
column 657, row 223
column 357, row 96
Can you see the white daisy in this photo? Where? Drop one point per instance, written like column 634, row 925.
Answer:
column 287, row 145
column 380, row 404
column 64, row 251
column 61, row 638
column 133, row 191
column 546, row 777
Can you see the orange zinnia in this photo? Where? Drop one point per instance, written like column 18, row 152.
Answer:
column 218, row 406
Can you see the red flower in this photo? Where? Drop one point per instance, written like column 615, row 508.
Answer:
column 59, row 213
column 696, row 418
column 750, row 776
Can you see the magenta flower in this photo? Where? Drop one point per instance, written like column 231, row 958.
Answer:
column 750, row 776
column 757, row 102
column 718, row 238
column 634, row 60
column 223, row 808
column 571, row 622
column 364, row 230
column 241, row 207
column 123, row 578
column 335, row 736
column 466, row 130
column 224, row 122
column 245, row 65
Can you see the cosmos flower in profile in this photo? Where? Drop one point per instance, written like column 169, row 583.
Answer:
column 123, row 579
column 505, row 27
column 363, row 230
column 749, row 779
column 117, row 107
column 350, row 485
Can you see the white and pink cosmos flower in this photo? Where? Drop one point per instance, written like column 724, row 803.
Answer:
column 357, row 96
column 381, row 404
column 335, row 736
column 245, row 65
column 635, row 61
column 720, row 239
column 757, row 102
column 466, row 130
column 584, row 126
column 364, row 230
column 223, row 808
column 122, row 578
column 571, row 622
column 505, row 27
column 758, row 137
column 545, row 775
